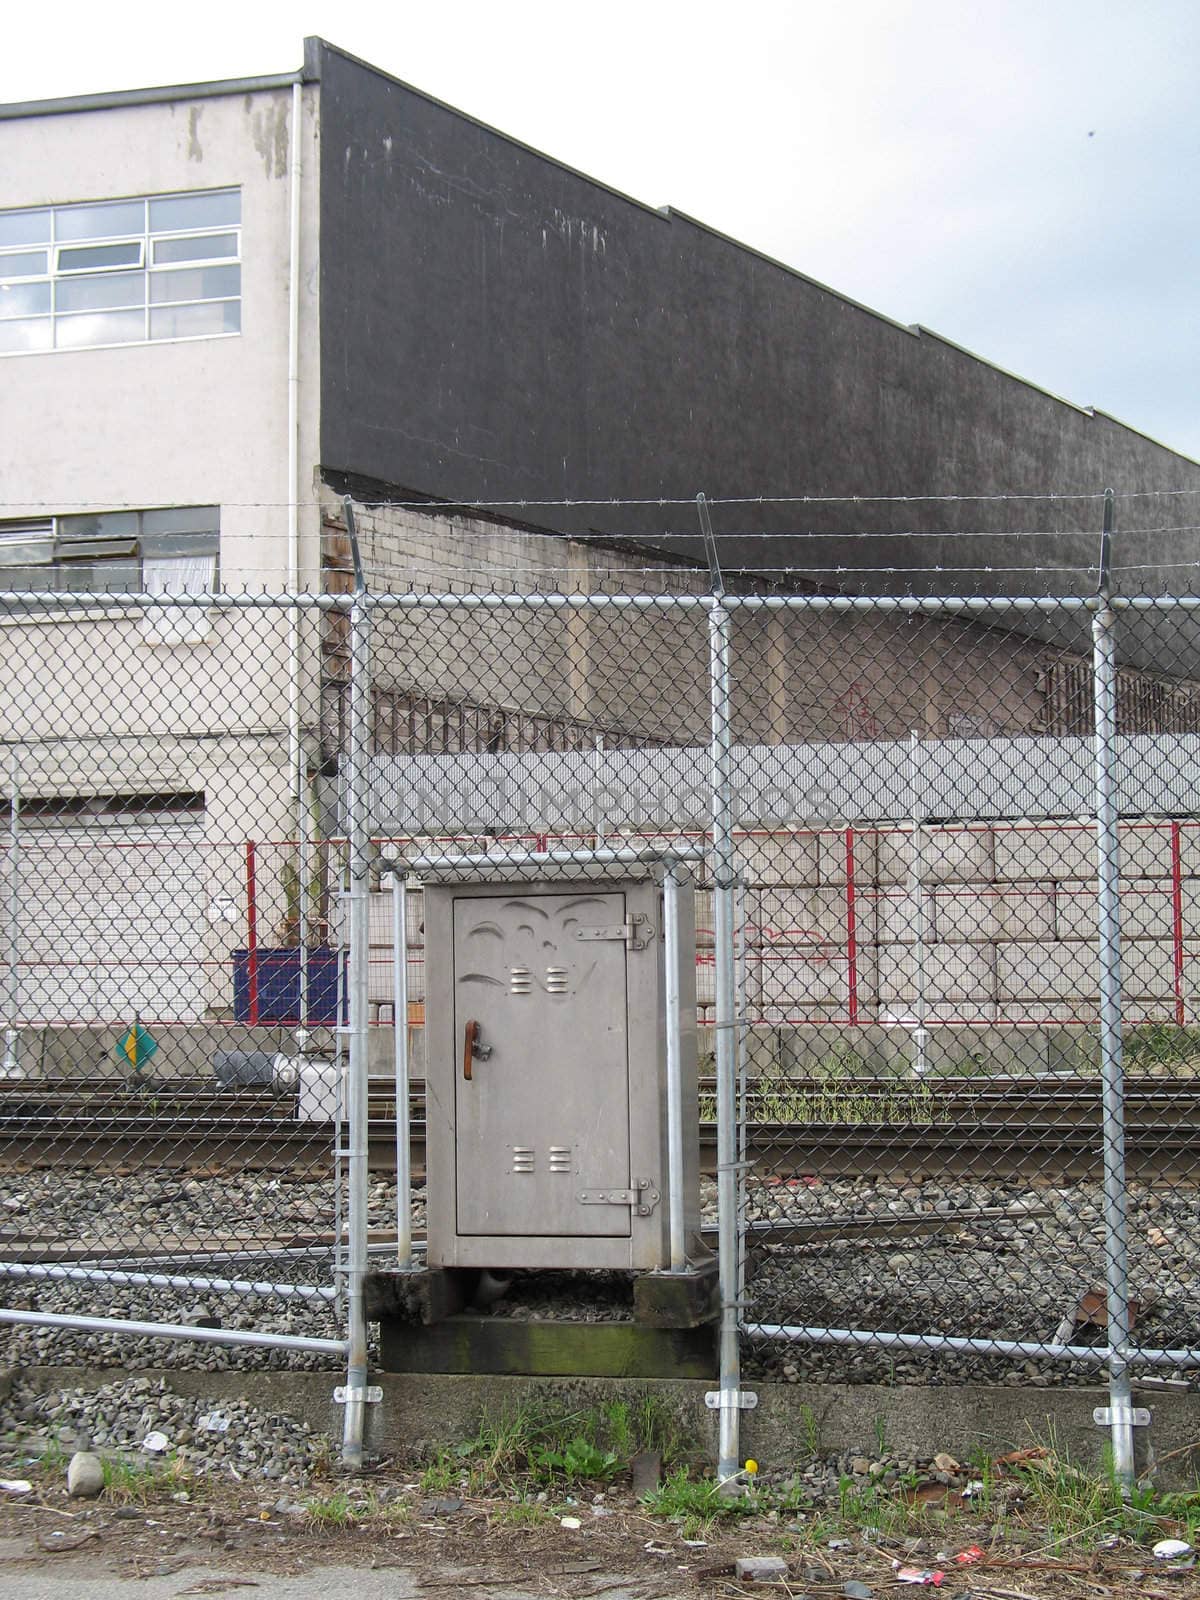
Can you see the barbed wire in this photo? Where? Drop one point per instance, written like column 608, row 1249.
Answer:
column 605, row 541
column 1048, row 496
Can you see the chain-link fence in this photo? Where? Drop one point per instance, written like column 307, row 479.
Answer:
column 172, row 1077
column 946, row 921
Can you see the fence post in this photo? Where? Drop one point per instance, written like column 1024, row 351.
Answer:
column 358, row 838
column 674, row 1089
column 400, row 1064
column 720, row 628
column 12, row 1034
column 1112, row 1070
column 720, row 641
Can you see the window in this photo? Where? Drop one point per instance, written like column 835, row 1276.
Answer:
column 121, row 271
column 173, row 551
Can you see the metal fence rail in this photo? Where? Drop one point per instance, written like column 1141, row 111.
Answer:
column 948, row 912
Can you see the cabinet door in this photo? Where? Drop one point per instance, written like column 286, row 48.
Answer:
column 544, row 1112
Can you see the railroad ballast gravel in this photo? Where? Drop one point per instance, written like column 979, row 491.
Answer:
column 227, row 1436
column 1015, row 1274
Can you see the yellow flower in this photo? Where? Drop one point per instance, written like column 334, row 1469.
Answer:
column 752, row 1467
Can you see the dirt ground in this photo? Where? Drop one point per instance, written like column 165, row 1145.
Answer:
column 239, row 1541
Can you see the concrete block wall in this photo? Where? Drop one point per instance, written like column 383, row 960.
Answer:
column 991, row 924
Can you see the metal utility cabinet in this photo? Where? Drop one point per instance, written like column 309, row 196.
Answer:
column 550, row 1013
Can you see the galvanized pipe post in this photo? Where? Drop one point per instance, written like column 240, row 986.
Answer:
column 400, row 1014
column 743, row 1119
column 678, row 1242
column 358, row 835
column 720, row 641
column 1112, row 1072
column 12, row 1035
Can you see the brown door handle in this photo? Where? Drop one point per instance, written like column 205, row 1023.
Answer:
column 473, row 1047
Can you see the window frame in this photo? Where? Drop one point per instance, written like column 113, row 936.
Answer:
column 63, row 533
column 56, row 321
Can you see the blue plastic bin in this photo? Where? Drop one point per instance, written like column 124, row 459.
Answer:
column 278, row 973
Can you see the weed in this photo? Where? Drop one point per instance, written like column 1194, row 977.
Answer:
column 334, row 1510
column 557, row 1445
column 394, row 1513
column 830, row 1097
column 321, row 1457
column 696, row 1502
column 441, row 1475
column 137, row 1482
column 657, row 1426
column 618, row 1427
column 580, row 1461
column 1160, row 1045
column 812, row 1430
column 501, row 1446
column 1075, row 1504
column 816, row 1530
column 53, row 1457
column 879, row 1424
column 523, row 1514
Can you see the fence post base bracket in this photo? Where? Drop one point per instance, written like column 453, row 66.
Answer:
column 371, row 1395
column 1108, row 1416
column 738, row 1400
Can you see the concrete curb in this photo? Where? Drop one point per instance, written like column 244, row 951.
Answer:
column 420, row 1413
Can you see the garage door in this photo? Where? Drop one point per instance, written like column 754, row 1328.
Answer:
column 111, row 922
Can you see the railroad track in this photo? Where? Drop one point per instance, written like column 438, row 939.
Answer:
column 794, row 1126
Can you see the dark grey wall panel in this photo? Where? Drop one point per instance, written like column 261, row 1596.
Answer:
column 496, row 326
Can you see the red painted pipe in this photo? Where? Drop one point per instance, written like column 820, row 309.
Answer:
column 1177, row 920
column 851, row 934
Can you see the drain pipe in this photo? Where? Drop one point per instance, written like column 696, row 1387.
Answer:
column 357, row 829
column 1112, row 1067
column 296, row 762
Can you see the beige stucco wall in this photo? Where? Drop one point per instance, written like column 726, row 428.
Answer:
column 187, row 423
column 106, row 706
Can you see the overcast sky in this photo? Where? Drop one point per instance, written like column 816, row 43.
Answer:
column 1020, row 175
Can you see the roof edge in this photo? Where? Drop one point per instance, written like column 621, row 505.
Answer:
column 161, row 95
column 315, row 45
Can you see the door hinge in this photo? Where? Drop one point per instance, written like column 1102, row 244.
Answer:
column 1135, row 1416
column 371, row 1395
column 735, row 1400
column 642, row 1198
column 636, row 933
